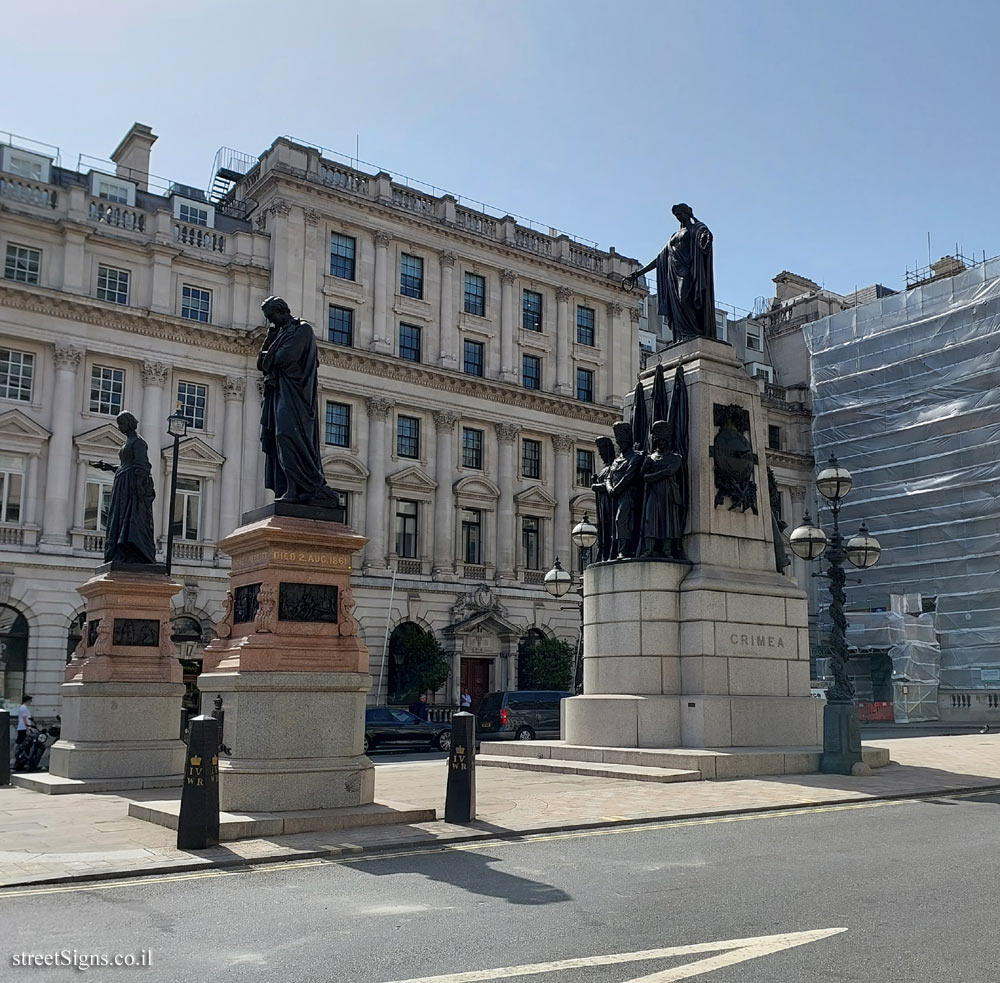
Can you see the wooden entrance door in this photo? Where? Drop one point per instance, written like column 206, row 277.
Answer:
column 476, row 679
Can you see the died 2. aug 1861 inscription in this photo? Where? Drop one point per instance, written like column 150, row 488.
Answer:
column 309, row 558
column 307, row 602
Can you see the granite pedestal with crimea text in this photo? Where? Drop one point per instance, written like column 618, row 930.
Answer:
column 711, row 653
column 121, row 698
column 290, row 667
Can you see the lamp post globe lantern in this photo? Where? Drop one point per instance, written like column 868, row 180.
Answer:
column 584, row 533
column 808, row 542
column 863, row 550
column 834, row 482
column 177, row 428
column 557, row 580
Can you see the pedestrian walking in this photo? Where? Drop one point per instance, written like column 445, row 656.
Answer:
column 466, row 700
column 24, row 719
column 419, row 709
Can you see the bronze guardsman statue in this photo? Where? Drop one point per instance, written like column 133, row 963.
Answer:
column 604, row 512
column 128, row 536
column 685, row 287
column 289, row 420
column 624, row 484
column 663, row 513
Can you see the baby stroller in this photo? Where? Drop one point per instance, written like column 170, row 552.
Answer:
column 31, row 750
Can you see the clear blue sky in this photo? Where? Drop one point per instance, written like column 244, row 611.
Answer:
column 827, row 138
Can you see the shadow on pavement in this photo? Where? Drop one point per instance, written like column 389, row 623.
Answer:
column 469, row 870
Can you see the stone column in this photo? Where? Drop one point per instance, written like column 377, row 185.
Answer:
column 251, row 490
column 564, row 348
column 506, row 436
column 449, row 328
column 381, row 329
column 562, row 444
column 30, row 492
column 56, row 517
column 444, row 501
column 508, row 372
column 617, row 357
column 310, row 285
column 233, row 390
column 378, row 410
column 152, row 425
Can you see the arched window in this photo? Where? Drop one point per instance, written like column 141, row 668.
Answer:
column 528, row 641
column 13, row 652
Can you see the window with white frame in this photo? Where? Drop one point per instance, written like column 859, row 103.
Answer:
column 194, row 212
column 754, row 340
column 531, row 542
column 97, row 500
column 196, row 303
column 192, row 400
column 107, row 389
column 24, row 164
column 758, row 370
column 11, row 486
column 406, row 529
column 112, row 284
column 112, row 189
column 721, row 326
column 17, row 370
column 22, row 263
column 187, row 508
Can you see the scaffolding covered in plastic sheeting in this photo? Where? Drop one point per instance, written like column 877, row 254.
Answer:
column 906, row 393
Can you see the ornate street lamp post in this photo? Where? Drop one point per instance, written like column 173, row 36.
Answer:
column 177, row 428
column 841, row 727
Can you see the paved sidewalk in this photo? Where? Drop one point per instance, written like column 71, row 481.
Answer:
column 45, row 838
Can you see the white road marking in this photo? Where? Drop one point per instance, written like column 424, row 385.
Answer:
column 731, row 951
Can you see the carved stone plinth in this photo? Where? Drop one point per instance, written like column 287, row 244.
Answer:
column 291, row 670
column 121, row 699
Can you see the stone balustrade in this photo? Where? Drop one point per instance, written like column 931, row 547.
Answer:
column 28, row 192
column 118, row 216
column 200, row 237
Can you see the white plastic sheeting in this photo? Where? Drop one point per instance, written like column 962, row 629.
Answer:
column 906, row 392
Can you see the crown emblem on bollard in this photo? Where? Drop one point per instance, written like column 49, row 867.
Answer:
column 195, row 760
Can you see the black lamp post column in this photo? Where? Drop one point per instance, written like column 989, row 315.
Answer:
column 177, row 428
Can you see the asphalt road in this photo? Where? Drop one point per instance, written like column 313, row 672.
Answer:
column 893, row 891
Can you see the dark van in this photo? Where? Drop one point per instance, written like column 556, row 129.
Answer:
column 520, row 715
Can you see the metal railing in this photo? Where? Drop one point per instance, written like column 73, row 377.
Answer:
column 411, row 567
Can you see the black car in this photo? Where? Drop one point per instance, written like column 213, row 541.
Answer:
column 389, row 727
column 520, row 715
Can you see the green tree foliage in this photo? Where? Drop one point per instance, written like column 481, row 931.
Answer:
column 547, row 664
column 424, row 669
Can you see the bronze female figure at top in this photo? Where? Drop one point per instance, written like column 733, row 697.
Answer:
column 128, row 536
column 685, row 287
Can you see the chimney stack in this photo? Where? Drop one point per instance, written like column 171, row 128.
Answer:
column 132, row 155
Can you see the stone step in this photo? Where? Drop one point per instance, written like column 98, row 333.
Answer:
column 637, row 773
column 712, row 763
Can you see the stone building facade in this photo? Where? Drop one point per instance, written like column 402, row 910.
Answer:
column 468, row 362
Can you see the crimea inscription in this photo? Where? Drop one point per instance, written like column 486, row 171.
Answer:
column 760, row 641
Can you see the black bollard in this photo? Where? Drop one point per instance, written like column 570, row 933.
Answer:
column 198, row 822
column 460, row 799
column 4, row 747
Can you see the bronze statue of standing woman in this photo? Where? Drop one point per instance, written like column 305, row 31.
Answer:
column 685, row 287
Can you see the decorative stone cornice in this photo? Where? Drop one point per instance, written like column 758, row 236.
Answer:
column 67, row 357
column 464, row 387
column 135, row 321
column 562, row 443
column 445, row 420
column 234, row 387
column 155, row 374
column 563, row 294
column 447, row 258
column 507, row 432
column 379, row 407
column 614, row 309
column 635, row 313
column 507, row 276
column 382, row 238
